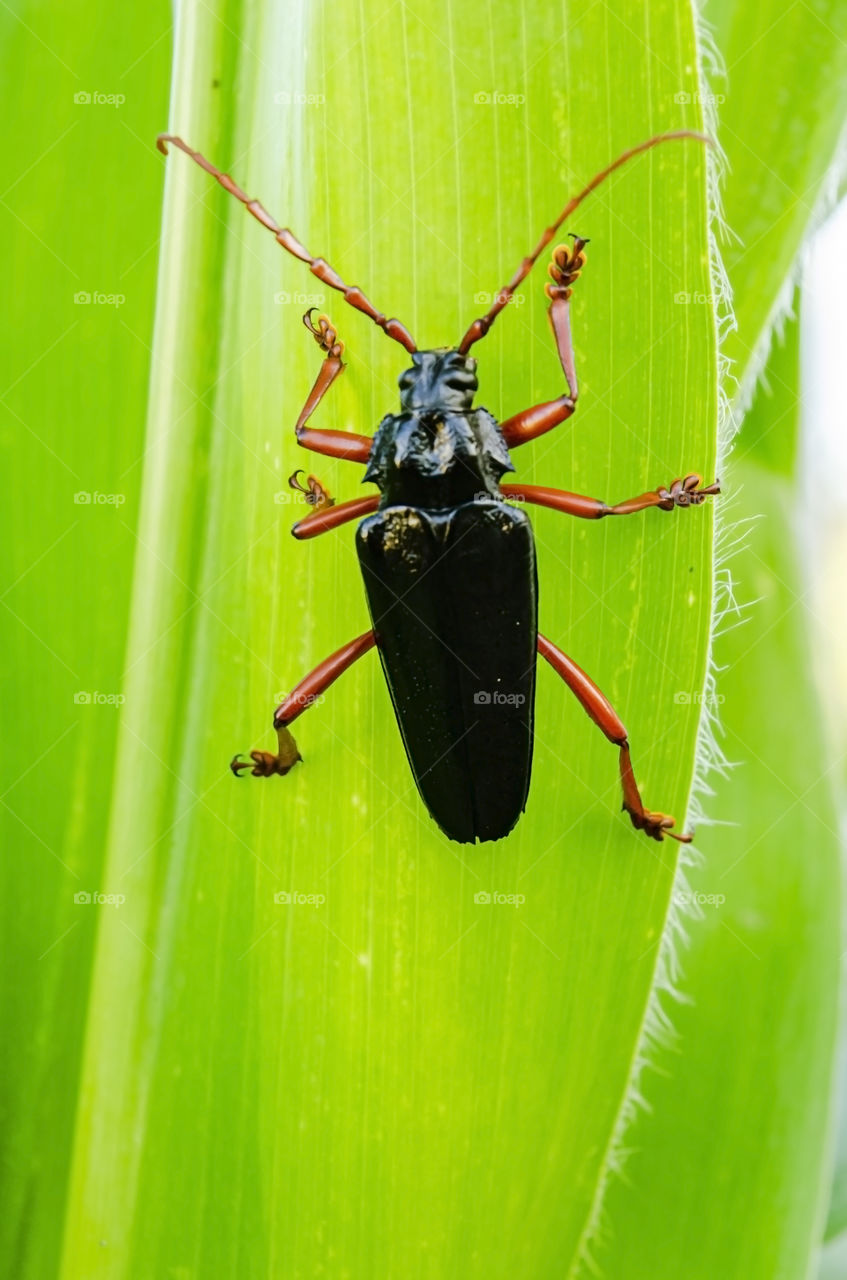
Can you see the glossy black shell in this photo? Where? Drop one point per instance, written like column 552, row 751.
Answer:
column 450, row 576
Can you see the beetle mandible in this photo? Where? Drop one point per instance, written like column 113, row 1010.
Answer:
column 448, row 566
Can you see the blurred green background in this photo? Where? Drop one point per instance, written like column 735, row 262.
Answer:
column 198, row 1080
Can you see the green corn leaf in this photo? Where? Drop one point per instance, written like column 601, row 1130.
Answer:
column 728, row 1172
column 781, row 106
column 742, row 1107
column 81, row 215
column 394, row 1079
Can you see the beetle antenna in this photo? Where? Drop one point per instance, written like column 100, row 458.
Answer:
column 318, row 267
column 480, row 327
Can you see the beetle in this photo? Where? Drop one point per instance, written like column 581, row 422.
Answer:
column 448, row 564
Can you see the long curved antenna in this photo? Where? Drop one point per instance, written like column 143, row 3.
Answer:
column 318, row 267
column 480, row 327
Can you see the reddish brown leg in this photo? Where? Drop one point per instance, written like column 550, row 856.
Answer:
column 264, row 764
column 330, row 518
column 335, row 444
column 682, row 493
column 533, row 422
column 564, row 272
column 601, row 711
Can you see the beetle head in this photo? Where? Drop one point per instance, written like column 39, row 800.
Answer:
column 440, row 379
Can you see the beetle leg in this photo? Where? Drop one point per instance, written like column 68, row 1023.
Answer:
column 264, row 763
column 335, row 444
column 682, row 493
column 564, row 271
column 534, row 421
column 601, row 711
column 331, row 517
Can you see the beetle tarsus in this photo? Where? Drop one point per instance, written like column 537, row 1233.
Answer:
column 324, row 333
column 686, row 492
column 565, row 267
column 655, row 825
column 313, row 491
column 264, row 764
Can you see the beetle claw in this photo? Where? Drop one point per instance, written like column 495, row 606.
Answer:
column 656, row 825
column 324, row 333
column 264, row 764
column 313, row 491
column 686, row 492
column 261, row 764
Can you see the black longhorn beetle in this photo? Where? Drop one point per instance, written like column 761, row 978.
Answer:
column 449, row 567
